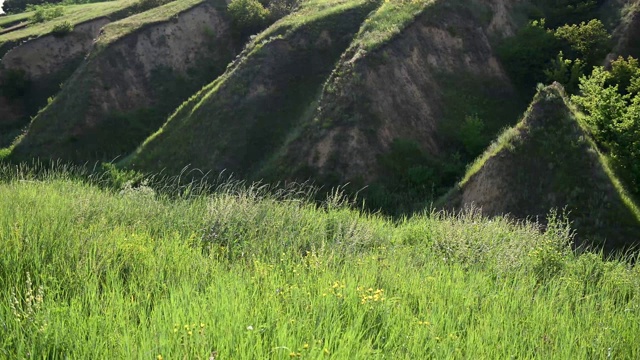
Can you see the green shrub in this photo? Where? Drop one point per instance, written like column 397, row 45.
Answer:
column 559, row 12
column 248, row 16
column 62, row 29
column 472, row 135
column 565, row 71
column 45, row 12
column 412, row 177
column 613, row 116
column 626, row 74
column 588, row 40
column 281, row 8
column 526, row 55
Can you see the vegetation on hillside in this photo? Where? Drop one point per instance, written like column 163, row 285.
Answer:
column 110, row 263
column 244, row 273
column 74, row 14
column 559, row 41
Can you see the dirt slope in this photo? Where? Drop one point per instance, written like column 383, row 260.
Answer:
column 243, row 117
column 548, row 161
column 43, row 64
column 140, row 69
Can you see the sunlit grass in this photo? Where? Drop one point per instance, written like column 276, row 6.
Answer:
column 5, row 21
column 87, row 272
column 118, row 29
column 388, row 21
column 74, row 14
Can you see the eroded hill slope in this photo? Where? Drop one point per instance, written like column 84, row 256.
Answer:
column 242, row 118
column 139, row 70
column 549, row 162
column 37, row 56
column 418, row 86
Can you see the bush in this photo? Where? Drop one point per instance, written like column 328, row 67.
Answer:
column 565, row 71
column 626, row 74
column 526, row 55
column 62, row 29
column 281, row 8
column 559, row 12
column 472, row 135
column 613, row 116
column 45, row 12
column 248, row 16
column 589, row 41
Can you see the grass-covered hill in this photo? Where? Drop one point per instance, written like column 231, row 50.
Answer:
column 139, row 69
column 88, row 271
column 397, row 97
column 548, row 161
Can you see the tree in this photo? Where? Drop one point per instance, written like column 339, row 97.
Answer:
column 589, row 41
column 248, row 16
column 613, row 116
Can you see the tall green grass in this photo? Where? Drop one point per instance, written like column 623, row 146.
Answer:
column 88, row 271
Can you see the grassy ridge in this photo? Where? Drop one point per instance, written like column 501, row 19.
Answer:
column 9, row 20
column 87, row 273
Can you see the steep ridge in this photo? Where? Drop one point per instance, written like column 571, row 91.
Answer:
column 139, row 70
column 417, row 85
column 41, row 64
column 239, row 120
column 548, row 161
column 35, row 58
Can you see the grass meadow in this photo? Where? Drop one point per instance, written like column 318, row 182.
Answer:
column 89, row 271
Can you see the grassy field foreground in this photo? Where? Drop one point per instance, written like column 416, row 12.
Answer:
column 88, row 272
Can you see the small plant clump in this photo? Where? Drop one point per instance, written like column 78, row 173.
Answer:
column 249, row 16
column 62, row 28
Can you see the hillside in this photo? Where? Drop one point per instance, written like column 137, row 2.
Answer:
column 88, row 272
column 238, row 121
column 334, row 126
column 139, row 69
column 548, row 161
column 443, row 69
column 393, row 98
column 626, row 36
column 323, row 179
column 37, row 56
